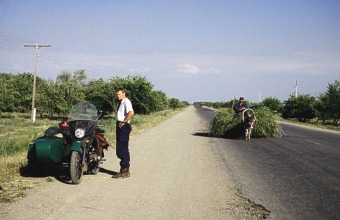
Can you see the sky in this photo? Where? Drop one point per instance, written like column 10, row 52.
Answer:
column 193, row 50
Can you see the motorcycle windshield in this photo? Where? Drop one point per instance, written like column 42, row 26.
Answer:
column 83, row 111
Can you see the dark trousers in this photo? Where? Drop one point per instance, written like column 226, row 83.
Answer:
column 122, row 144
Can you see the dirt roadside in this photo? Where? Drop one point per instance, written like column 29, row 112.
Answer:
column 174, row 175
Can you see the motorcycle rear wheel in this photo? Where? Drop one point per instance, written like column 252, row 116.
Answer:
column 76, row 168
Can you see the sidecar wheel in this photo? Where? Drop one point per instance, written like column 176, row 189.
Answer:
column 34, row 168
column 76, row 169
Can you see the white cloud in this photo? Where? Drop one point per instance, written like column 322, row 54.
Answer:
column 188, row 69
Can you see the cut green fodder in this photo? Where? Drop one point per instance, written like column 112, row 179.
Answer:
column 228, row 124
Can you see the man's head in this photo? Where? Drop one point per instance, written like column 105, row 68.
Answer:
column 120, row 94
column 241, row 99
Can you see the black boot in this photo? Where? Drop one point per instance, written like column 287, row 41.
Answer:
column 123, row 173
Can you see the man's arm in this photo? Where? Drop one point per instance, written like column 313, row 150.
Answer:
column 128, row 116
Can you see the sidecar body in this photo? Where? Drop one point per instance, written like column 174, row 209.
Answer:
column 47, row 149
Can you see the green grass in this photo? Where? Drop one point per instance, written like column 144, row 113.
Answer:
column 328, row 124
column 228, row 124
column 17, row 132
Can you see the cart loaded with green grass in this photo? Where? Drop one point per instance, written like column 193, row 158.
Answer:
column 256, row 122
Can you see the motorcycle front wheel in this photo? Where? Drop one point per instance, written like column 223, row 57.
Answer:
column 76, row 168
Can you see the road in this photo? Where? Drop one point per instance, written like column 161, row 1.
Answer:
column 179, row 172
column 296, row 176
column 174, row 175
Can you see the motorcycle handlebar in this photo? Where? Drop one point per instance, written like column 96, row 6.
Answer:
column 101, row 114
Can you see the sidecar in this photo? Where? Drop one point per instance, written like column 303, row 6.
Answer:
column 49, row 149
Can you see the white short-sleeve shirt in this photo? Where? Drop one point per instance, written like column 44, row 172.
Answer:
column 124, row 108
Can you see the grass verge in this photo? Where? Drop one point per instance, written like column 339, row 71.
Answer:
column 314, row 123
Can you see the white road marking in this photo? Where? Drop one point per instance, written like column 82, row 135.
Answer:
column 312, row 142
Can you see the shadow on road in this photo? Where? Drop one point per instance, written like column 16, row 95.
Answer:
column 110, row 172
column 209, row 135
column 59, row 173
column 202, row 134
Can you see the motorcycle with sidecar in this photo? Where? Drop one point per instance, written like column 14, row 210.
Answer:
column 76, row 143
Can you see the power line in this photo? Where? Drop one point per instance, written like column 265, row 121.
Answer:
column 12, row 43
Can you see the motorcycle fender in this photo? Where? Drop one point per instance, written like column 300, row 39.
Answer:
column 77, row 146
column 48, row 149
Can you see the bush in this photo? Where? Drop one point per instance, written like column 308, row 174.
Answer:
column 301, row 107
column 273, row 103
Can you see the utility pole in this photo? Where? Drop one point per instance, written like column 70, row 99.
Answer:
column 260, row 98
column 296, row 89
column 36, row 70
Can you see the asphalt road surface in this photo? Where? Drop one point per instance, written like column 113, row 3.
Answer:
column 296, row 176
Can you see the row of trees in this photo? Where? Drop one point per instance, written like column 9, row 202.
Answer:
column 302, row 107
column 57, row 97
column 305, row 107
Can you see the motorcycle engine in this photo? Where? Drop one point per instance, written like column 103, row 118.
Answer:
column 94, row 155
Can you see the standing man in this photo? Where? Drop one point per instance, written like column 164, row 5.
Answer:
column 123, row 129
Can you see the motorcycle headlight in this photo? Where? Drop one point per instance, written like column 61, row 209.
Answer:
column 80, row 133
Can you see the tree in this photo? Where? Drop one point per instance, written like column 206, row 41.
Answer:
column 159, row 100
column 328, row 105
column 64, row 77
column 301, row 107
column 23, row 87
column 101, row 94
column 47, row 97
column 68, row 92
column 43, row 98
column 80, row 76
column 222, row 104
column 138, row 89
column 322, row 111
column 175, row 103
column 68, row 89
column 273, row 103
column 7, row 99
